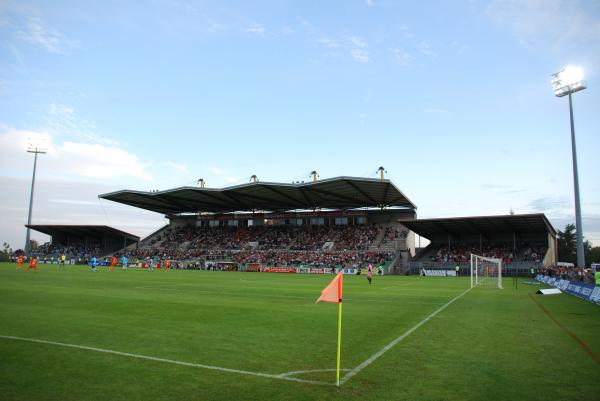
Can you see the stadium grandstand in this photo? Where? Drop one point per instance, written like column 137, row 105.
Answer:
column 80, row 242
column 343, row 222
column 339, row 222
column 522, row 242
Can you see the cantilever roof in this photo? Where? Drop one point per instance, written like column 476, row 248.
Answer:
column 81, row 231
column 332, row 193
column 456, row 226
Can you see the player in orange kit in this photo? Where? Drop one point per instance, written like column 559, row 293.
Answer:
column 20, row 260
column 33, row 264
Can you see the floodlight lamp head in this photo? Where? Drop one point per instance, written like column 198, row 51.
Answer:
column 31, row 148
column 568, row 80
column 36, row 145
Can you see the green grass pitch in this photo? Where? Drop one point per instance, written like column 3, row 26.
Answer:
column 488, row 344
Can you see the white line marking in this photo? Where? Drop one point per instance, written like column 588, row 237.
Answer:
column 382, row 351
column 152, row 358
column 397, row 301
column 268, row 295
column 300, row 372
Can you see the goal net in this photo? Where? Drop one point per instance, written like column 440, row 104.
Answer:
column 486, row 271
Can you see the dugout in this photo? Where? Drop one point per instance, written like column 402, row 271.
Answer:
column 107, row 239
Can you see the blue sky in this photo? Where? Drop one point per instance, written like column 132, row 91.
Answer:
column 452, row 98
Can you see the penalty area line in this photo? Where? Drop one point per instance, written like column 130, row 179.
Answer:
column 382, row 351
column 171, row 361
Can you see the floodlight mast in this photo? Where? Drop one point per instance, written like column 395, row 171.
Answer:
column 35, row 150
column 566, row 82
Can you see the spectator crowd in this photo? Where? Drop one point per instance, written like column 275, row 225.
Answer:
column 340, row 245
column 461, row 253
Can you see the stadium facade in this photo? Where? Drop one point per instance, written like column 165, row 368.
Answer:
column 321, row 222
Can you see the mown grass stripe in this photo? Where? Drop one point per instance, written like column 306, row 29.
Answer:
column 155, row 359
column 382, row 351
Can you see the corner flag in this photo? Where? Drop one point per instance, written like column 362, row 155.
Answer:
column 333, row 293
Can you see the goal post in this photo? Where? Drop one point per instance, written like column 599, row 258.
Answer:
column 486, row 270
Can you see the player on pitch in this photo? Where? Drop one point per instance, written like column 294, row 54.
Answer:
column 20, row 260
column 124, row 262
column 33, row 264
column 150, row 263
column 370, row 273
column 113, row 263
column 166, row 264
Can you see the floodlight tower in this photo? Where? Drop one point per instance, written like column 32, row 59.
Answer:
column 35, row 150
column 566, row 82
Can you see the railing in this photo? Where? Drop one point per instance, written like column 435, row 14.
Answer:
column 508, row 269
column 146, row 240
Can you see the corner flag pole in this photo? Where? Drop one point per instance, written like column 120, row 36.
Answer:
column 339, row 347
column 333, row 293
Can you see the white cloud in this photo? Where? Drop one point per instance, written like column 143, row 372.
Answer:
column 286, row 30
column 61, row 110
column 362, row 118
column 458, row 47
column 100, row 161
column 425, row 48
column 179, row 167
column 406, row 32
column 224, row 175
column 214, row 26
column 62, row 121
column 358, row 49
column 357, row 42
column 560, row 22
column 218, row 171
column 73, row 202
column 328, row 42
column 354, row 45
column 69, row 159
column 402, row 57
column 17, row 55
column 552, row 205
column 360, row 55
column 370, row 3
column 50, row 39
column 59, row 201
column 4, row 21
column 438, row 111
column 255, row 28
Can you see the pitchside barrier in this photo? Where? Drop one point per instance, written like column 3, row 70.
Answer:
column 438, row 272
column 521, row 269
column 589, row 292
column 347, row 271
column 57, row 262
column 318, row 270
column 256, row 267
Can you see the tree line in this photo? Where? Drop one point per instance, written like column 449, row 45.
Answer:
column 566, row 242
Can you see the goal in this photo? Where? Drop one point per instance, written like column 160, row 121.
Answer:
column 486, row 271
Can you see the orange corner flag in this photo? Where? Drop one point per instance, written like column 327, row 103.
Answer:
column 333, row 292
